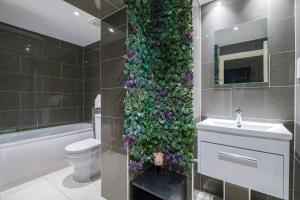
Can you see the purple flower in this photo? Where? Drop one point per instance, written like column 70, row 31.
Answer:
column 169, row 116
column 128, row 140
column 171, row 158
column 188, row 35
column 129, row 84
column 135, row 165
column 160, row 94
column 130, row 54
column 189, row 77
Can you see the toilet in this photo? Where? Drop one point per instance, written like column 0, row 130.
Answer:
column 84, row 156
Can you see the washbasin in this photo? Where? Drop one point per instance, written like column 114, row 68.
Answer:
column 252, row 129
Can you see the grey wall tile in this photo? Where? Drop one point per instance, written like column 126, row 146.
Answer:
column 91, row 72
column 59, row 85
column 258, row 196
column 114, row 73
column 270, row 103
column 38, row 38
column 87, row 114
column 113, row 49
column 234, row 192
column 216, row 102
column 212, row 186
column 9, row 101
column 281, row 8
column 79, row 86
column 18, row 82
column 9, row 30
column 112, row 102
column 112, row 131
column 282, row 69
column 207, row 75
column 40, row 100
column 39, row 67
column 89, row 99
column 72, row 71
column 117, row 19
column 12, row 44
column 9, row 63
column 281, row 35
column 59, row 55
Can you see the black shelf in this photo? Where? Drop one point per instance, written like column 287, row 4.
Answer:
column 164, row 185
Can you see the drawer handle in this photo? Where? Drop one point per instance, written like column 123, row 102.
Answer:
column 234, row 158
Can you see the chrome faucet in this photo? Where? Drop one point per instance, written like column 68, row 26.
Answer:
column 238, row 114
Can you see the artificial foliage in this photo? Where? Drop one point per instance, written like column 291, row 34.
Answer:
column 159, row 83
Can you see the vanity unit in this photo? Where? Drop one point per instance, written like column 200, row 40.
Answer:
column 254, row 156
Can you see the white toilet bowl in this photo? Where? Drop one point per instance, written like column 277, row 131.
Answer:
column 85, row 156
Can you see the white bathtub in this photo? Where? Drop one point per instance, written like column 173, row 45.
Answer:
column 28, row 154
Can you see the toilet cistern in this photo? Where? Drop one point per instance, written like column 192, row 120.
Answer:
column 238, row 114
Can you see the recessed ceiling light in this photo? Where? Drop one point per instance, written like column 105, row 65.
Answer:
column 27, row 49
column 219, row 3
column 111, row 30
column 76, row 13
column 236, row 28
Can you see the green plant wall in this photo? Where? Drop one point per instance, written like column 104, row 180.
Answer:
column 159, row 83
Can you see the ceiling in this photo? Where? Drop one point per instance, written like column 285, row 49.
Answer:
column 202, row 2
column 56, row 18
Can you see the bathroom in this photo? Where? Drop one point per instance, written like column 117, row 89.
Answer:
column 89, row 111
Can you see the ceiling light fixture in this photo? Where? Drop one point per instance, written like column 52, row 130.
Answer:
column 76, row 13
column 236, row 28
column 111, row 30
column 219, row 3
column 27, row 49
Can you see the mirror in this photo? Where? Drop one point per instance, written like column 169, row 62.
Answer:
column 241, row 53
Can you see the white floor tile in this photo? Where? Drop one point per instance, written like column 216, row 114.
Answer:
column 63, row 181
column 55, row 186
column 34, row 190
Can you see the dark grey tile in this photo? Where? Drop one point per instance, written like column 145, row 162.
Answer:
column 38, row 38
column 92, row 72
column 9, row 30
column 112, row 73
column 258, row 196
column 109, row 37
column 92, row 47
column 297, row 104
column 112, row 131
column 18, row 82
column 58, row 116
column 9, row 63
column 281, row 8
column 89, row 99
column 72, row 100
column 39, row 67
column 59, row 85
column 297, row 172
column 298, row 33
column 207, row 75
column 59, row 55
column 79, row 87
column 281, row 35
column 211, row 185
column 9, row 101
column 273, row 198
column 113, row 49
column 115, row 20
column 234, row 192
column 40, row 100
column 87, row 114
column 72, row 71
column 118, row 3
column 112, row 102
column 92, row 86
column 70, row 46
column 92, row 58
column 12, row 44
column 268, row 103
column 215, row 102
column 282, row 69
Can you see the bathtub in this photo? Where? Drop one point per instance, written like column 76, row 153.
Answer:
column 27, row 155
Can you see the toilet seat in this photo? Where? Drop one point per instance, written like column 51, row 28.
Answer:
column 83, row 146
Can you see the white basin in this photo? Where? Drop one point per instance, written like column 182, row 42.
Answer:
column 252, row 129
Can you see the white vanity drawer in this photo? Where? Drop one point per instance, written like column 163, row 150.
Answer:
column 258, row 171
